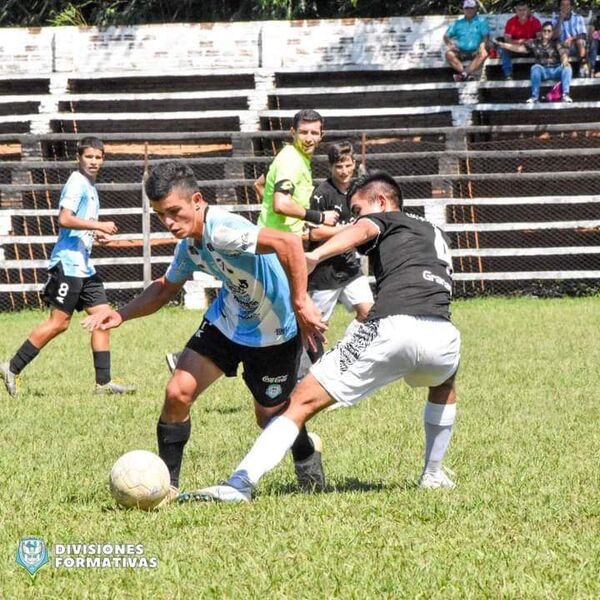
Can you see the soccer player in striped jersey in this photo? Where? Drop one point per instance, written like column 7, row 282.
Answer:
column 258, row 319
column 73, row 283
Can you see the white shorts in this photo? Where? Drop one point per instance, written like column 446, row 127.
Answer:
column 356, row 292
column 425, row 351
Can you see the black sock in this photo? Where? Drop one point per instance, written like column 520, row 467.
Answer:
column 302, row 447
column 102, row 366
column 25, row 354
column 315, row 355
column 172, row 438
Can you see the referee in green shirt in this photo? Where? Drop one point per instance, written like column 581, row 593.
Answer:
column 288, row 186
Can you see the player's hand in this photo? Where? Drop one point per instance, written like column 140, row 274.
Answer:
column 311, row 262
column 102, row 238
column 568, row 42
column 312, row 326
column 107, row 227
column 330, row 217
column 103, row 320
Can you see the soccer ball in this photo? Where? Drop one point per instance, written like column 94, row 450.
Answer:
column 139, row 479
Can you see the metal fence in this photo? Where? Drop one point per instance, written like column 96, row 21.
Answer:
column 520, row 204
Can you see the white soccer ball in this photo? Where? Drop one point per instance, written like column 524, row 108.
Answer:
column 139, row 479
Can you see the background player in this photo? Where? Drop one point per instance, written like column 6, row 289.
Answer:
column 408, row 335
column 73, row 283
column 252, row 321
column 339, row 277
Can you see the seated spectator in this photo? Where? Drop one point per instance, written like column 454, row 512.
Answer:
column 570, row 29
column 594, row 37
column 466, row 40
column 518, row 29
column 551, row 61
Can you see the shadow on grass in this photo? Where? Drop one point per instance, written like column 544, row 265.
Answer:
column 349, row 484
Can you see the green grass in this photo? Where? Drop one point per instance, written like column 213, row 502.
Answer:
column 523, row 522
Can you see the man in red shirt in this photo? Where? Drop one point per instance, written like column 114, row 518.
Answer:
column 523, row 26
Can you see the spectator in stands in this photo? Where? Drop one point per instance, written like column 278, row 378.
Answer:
column 466, row 40
column 570, row 29
column 551, row 62
column 518, row 29
column 594, row 37
column 73, row 283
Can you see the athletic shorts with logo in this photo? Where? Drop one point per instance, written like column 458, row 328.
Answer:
column 356, row 292
column 269, row 371
column 73, row 293
column 425, row 351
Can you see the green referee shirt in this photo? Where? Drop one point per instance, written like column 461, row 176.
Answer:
column 291, row 170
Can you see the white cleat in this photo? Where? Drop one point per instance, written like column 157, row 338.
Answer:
column 217, row 493
column 434, row 481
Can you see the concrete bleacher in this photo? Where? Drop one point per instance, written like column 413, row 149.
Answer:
column 443, row 139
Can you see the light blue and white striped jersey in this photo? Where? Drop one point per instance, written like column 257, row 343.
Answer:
column 74, row 246
column 253, row 308
column 571, row 27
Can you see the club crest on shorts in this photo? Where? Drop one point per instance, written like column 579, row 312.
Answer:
column 273, row 391
column 32, row 554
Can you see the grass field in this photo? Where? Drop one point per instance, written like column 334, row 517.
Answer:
column 524, row 521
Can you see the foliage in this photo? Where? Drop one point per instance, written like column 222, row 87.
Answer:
column 121, row 12
column 522, row 523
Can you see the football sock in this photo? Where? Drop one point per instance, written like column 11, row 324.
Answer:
column 268, row 451
column 102, row 366
column 25, row 354
column 172, row 438
column 302, row 448
column 438, row 421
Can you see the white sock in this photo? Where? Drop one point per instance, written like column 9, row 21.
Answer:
column 438, row 420
column 268, row 451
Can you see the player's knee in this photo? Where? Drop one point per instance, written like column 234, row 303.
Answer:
column 177, row 398
column 60, row 325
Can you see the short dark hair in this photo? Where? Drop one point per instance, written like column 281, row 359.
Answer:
column 164, row 177
column 373, row 181
column 339, row 150
column 546, row 23
column 89, row 142
column 307, row 114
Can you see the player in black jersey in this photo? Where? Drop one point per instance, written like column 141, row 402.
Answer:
column 408, row 334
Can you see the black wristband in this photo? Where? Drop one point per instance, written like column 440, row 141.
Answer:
column 314, row 216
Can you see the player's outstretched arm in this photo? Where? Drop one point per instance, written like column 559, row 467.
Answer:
column 288, row 248
column 350, row 237
column 156, row 295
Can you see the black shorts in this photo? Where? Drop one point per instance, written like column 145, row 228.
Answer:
column 269, row 372
column 73, row 293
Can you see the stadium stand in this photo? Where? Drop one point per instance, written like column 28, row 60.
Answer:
column 516, row 186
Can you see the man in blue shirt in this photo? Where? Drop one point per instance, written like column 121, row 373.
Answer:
column 570, row 29
column 466, row 40
column 258, row 318
column 73, row 283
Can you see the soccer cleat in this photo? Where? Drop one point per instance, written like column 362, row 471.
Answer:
column 532, row 100
column 439, row 479
column 309, row 472
column 171, row 496
column 114, row 388
column 172, row 359
column 216, row 493
column 11, row 380
column 567, row 98
column 458, row 77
